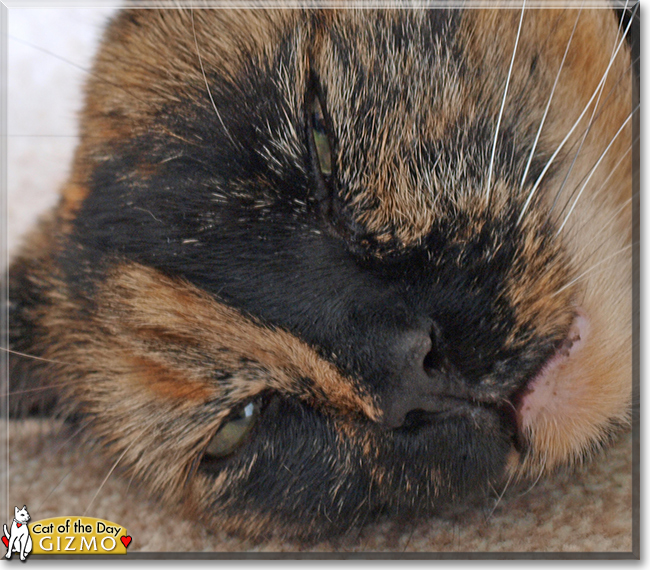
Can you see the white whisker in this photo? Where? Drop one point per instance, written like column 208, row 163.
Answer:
column 587, row 130
column 539, row 476
column 30, row 356
column 205, row 79
column 117, row 461
column 584, row 273
column 503, row 104
column 575, row 125
column 614, row 168
column 604, row 183
column 44, row 467
column 107, row 476
column 44, row 501
column 595, row 167
column 71, row 63
column 501, row 495
column 39, row 389
column 609, row 223
column 548, row 105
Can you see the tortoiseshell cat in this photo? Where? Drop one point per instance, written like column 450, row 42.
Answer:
column 312, row 267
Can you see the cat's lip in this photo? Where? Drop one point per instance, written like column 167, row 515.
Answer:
column 513, row 411
column 453, row 407
column 445, row 406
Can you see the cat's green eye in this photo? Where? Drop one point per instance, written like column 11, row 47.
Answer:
column 234, row 433
column 321, row 141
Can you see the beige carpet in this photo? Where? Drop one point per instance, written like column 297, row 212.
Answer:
column 589, row 511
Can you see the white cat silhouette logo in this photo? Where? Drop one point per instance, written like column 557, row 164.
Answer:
column 19, row 540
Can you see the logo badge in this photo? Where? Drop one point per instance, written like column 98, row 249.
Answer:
column 79, row 535
column 63, row 535
column 17, row 538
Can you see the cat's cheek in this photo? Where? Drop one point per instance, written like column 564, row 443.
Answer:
column 207, row 501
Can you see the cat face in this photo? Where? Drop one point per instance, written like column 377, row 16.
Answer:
column 312, row 267
column 21, row 515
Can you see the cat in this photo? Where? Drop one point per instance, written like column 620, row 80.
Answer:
column 18, row 540
column 313, row 267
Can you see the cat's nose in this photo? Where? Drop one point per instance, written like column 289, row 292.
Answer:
column 413, row 386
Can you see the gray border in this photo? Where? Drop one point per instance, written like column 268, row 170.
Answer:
column 4, row 284
column 306, row 555
column 368, row 4
column 636, row 292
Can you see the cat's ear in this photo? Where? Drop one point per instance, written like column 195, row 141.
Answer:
column 15, row 510
column 24, row 507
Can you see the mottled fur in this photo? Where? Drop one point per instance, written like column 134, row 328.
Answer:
column 197, row 260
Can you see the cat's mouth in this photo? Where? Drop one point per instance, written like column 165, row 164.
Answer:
column 516, row 413
column 474, row 412
column 448, row 406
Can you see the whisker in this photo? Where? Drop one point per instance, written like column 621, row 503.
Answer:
column 128, row 487
column 76, row 66
column 612, row 90
column 615, row 167
column 41, row 388
column 108, row 475
column 116, row 463
column 70, row 471
column 539, row 476
column 205, row 79
column 414, row 527
column 612, row 171
column 600, row 188
column 548, row 105
column 602, row 229
column 31, row 356
column 590, row 124
column 500, row 497
column 596, row 117
column 583, row 274
column 55, row 454
column 503, row 104
column 38, row 388
column 575, row 125
column 594, row 168
column 40, row 506
column 625, row 205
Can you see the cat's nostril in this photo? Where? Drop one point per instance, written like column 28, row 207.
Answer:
column 433, row 359
column 417, row 418
column 412, row 363
column 418, row 349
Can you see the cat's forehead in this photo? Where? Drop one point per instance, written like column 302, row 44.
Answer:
column 414, row 96
column 430, row 107
column 385, row 58
column 393, row 87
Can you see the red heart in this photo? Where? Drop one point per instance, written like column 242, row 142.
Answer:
column 5, row 541
column 19, row 525
column 126, row 540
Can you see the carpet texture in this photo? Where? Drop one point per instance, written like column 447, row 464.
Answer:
column 587, row 511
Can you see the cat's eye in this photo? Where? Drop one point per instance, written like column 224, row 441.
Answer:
column 321, row 140
column 234, row 433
